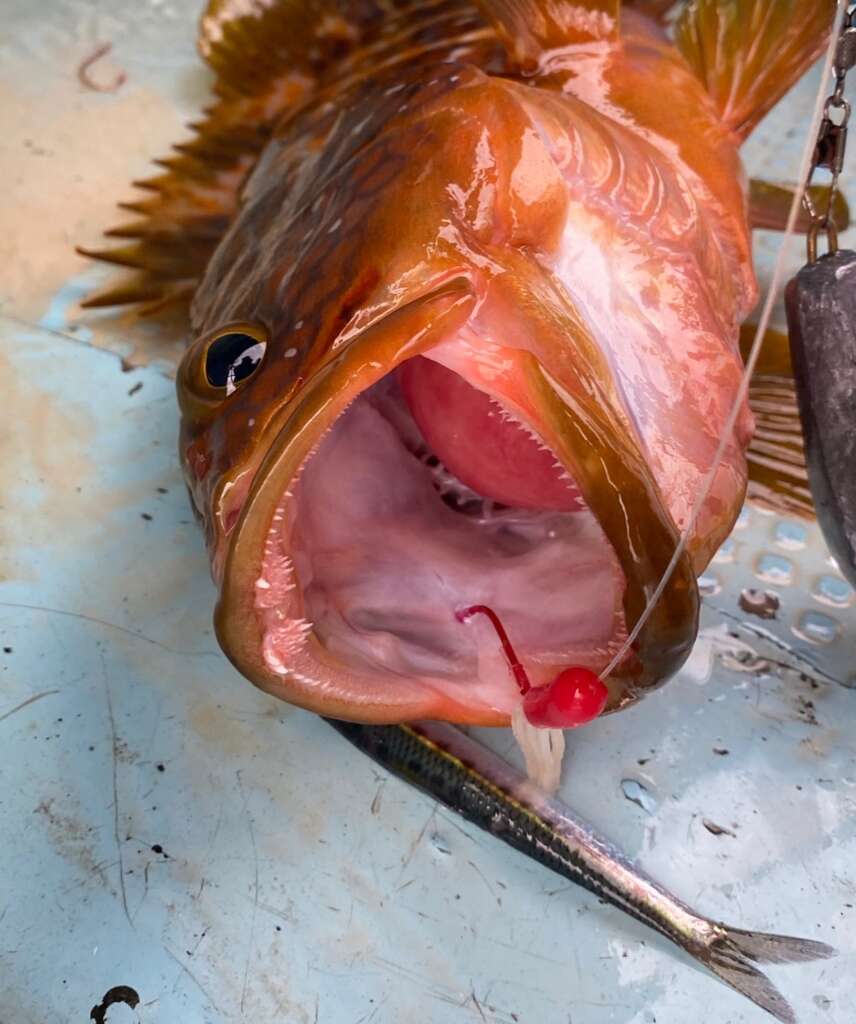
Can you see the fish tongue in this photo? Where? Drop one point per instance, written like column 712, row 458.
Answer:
column 480, row 443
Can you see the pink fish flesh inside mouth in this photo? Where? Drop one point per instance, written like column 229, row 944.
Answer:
column 428, row 495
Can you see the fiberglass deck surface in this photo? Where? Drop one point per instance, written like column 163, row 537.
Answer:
column 165, row 826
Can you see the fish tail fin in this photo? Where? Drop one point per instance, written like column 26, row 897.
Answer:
column 733, row 954
column 748, row 55
column 768, row 948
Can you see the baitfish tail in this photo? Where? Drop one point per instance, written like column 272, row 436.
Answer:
column 486, row 791
column 731, row 957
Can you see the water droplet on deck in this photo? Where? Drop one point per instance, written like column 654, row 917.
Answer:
column 440, row 843
column 789, row 535
column 832, row 590
column 817, row 628
column 774, row 569
column 637, row 793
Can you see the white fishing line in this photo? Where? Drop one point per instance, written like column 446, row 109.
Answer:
column 763, row 324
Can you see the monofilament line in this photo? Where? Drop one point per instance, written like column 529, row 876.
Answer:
column 763, row 324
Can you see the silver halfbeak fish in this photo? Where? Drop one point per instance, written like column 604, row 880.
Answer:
column 485, row 790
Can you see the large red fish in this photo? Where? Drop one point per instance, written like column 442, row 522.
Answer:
column 467, row 286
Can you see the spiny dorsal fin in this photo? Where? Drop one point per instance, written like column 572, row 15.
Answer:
column 187, row 211
column 191, row 205
column 529, row 28
column 778, row 478
column 749, row 53
column 270, row 56
column 250, row 44
column 267, row 55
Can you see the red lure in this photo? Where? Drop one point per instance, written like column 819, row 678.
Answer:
column 575, row 697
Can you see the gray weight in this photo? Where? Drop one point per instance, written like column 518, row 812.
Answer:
column 821, row 309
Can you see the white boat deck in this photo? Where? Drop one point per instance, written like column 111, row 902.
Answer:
column 165, row 826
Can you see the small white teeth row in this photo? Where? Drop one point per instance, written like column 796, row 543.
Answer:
column 460, row 497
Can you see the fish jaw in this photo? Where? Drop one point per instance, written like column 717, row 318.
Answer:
column 268, row 620
column 344, row 574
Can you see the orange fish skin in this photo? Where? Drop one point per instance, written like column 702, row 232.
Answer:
column 575, row 243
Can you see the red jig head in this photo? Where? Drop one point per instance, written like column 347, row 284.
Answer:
column 575, row 697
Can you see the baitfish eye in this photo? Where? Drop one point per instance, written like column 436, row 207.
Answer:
column 232, row 358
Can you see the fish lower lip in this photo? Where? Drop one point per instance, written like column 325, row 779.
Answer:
column 380, row 542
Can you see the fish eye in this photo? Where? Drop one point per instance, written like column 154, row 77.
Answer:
column 232, row 358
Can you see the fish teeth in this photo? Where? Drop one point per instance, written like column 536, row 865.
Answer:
column 504, row 414
column 284, row 642
column 278, row 578
column 509, row 417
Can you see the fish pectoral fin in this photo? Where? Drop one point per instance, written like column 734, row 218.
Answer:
column 748, row 53
column 778, row 476
column 770, row 206
column 732, row 956
column 528, row 28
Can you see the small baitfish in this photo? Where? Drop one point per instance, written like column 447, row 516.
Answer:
column 467, row 282
column 480, row 786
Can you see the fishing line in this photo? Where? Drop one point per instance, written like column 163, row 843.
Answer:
column 763, row 324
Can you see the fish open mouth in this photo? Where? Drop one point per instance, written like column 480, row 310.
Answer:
column 425, row 496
